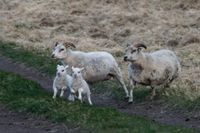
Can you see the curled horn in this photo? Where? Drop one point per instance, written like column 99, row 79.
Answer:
column 69, row 44
column 140, row 45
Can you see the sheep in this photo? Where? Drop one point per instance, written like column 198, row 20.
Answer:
column 80, row 85
column 62, row 82
column 153, row 69
column 98, row 66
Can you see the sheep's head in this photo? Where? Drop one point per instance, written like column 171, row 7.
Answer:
column 77, row 71
column 61, row 70
column 132, row 52
column 60, row 49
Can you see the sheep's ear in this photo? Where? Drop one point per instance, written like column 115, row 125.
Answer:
column 56, row 44
column 66, row 67
column 139, row 49
column 69, row 44
column 72, row 67
column 82, row 68
column 58, row 65
column 128, row 44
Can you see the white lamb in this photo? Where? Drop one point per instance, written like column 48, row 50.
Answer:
column 98, row 66
column 62, row 82
column 154, row 69
column 80, row 85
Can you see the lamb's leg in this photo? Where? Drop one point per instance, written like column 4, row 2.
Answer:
column 132, row 86
column 71, row 97
column 72, row 90
column 153, row 92
column 118, row 76
column 80, row 94
column 89, row 99
column 54, row 92
column 62, row 92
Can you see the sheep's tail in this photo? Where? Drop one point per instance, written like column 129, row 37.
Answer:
column 179, row 68
column 177, row 73
column 118, row 69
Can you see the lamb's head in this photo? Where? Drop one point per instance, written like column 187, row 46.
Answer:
column 77, row 72
column 60, row 49
column 133, row 52
column 61, row 70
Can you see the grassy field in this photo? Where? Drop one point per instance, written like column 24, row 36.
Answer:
column 109, row 25
column 26, row 96
column 43, row 62
column 106, row 25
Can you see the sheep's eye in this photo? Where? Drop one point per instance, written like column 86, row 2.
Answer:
column 62, row 70
column 133, row 51
column 61, row 50
column 78, row 72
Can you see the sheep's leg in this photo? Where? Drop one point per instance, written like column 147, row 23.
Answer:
column 121, row 81
column 89, row 99
column 72, row 90
column 153, row 92
column 62, row 92
column 132, row 86
column 80, row 94
column 71, row 97
column 54, row 92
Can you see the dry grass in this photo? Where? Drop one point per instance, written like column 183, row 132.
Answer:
column 108, row 25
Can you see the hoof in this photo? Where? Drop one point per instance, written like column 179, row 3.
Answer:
column 130, row 102
column 152, row 97
column 126, row 98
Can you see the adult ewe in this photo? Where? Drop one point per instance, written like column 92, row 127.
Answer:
column 97, row 66
column 153, row 69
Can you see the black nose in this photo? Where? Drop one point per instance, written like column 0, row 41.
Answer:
column 52, row 56
column 125, row 58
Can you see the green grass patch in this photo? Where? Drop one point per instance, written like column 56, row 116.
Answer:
column 33, row 58
column 183, row 102
column 26, row 96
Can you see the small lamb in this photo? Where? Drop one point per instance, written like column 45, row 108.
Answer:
column 80, row 85
column 62, row 82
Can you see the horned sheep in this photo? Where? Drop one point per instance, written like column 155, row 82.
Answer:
column 153, row 69
column 98, row 65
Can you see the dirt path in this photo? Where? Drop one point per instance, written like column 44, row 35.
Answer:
column 11, row 122
column 155, row 110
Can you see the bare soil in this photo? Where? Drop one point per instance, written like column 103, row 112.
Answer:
column 155, row 110
column 12, row 122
